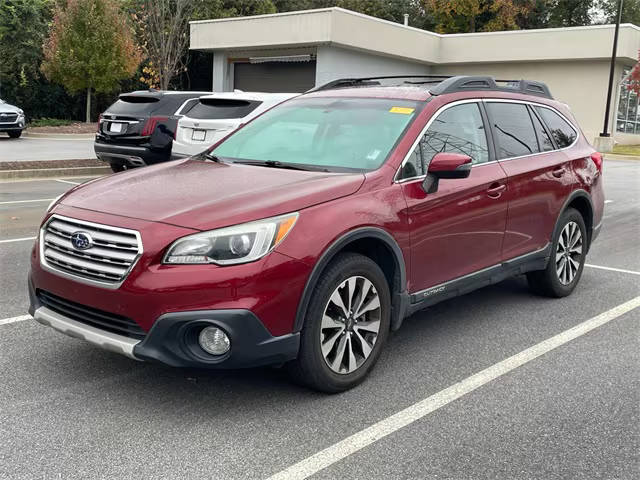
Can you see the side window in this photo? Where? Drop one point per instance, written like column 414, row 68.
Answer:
column 458, row 129
column 543, row 137
column 563, row 133
column 513, row 129
column 188, row 106
column 413, row 166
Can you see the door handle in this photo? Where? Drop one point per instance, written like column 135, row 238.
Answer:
column 496, row 189
column 558, row 172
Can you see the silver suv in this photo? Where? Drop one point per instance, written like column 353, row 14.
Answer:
column 12, row 119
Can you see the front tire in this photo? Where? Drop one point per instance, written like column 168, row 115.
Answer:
column 346, row 325
column 14, row 133
column 568, row 253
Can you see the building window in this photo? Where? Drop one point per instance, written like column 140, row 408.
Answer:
column 628, row 115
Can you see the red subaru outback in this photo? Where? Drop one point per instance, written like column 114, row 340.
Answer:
column 307, row 235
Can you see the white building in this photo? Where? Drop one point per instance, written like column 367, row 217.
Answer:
column 295, row 51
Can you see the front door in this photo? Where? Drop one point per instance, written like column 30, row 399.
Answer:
column 459, row 229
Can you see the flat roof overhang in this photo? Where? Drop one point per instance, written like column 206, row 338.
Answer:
column 344, row 28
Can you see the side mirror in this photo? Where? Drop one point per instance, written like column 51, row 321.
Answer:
column 447, row 166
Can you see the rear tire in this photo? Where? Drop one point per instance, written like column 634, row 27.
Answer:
column 345, row 327
column 117, row 167
column 568, row 253
column 14, row 133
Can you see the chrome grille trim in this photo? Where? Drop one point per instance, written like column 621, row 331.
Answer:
column 106, row 264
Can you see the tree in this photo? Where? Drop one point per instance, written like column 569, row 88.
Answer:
column 634, row 77
column 570, row 13
column 90, row 47
column 23, row 26
column 630, row 11
column 454, row 16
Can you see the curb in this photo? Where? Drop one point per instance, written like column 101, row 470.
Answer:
column 60, row 136
column 616, row 156
column 53, row 172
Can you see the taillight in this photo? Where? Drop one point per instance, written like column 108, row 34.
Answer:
column 150, row 125
column 597, row 160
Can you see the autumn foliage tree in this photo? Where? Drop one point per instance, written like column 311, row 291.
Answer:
column 90, row 47
column 454, row 16
column 634, row 77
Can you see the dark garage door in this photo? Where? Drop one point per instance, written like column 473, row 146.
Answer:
column 274, row 76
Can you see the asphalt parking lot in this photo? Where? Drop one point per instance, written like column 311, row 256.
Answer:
column 31, row 148
column 496, row 384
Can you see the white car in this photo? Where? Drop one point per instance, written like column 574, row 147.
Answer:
column 214, row 116
column 12, row 119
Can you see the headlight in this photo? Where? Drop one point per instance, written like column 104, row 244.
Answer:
column 228, row 246
column 20, row 111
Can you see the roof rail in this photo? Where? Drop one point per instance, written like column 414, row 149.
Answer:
column 469, row 83
column 375, row 81
column 444, row 84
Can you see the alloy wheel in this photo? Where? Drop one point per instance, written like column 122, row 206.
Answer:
column 350, row 325
column 569, row 253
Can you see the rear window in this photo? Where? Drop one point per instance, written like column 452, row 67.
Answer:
column 561, row 131
column 134, row 105
column 222, row 108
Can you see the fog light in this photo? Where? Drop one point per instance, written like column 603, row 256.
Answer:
column 214, row 341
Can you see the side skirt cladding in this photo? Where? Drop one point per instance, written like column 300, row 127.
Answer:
column 459, row 286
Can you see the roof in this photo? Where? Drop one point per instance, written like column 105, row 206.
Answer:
column 340, row 27
column 274, row 97
column 397, row 92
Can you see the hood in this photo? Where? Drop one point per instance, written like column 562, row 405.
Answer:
column 207, row 195
column 5, row 107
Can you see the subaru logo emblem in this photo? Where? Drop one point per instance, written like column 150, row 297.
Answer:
column 81, row 240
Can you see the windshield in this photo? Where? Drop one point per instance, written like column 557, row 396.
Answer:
column 351, row 133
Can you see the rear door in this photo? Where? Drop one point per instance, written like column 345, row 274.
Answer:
column 538, row 172
column 458, row 229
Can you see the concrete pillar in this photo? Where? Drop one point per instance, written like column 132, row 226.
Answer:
column 220, row 72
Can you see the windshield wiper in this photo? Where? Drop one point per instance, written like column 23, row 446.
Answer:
column 277, row 164
column 210, row 156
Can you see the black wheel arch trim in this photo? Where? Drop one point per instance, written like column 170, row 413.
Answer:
column 579, row 193
column 399, row 295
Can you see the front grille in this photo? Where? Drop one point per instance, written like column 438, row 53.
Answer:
column 8, row 117
column 91, row 316
column 109, row 258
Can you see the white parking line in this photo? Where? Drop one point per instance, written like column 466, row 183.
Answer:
column 621, row 270
column 66, row 181
column 6, row 321
column 389, row 425
column 27, row 201
column 23, row 239
column 608, row 201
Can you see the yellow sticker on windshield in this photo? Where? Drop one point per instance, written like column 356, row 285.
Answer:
column 404, row 110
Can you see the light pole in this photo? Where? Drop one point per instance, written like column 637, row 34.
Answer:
column 605, row 129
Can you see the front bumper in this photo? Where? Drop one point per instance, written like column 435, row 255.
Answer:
column 173, row 338
column 6, row 127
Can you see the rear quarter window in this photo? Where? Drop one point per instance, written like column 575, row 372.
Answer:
column 561, row 131
column 222, row 108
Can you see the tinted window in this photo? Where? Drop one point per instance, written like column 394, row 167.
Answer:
column 222, row 108
column 543, row 138
column 563, row 133
column 132, row 105
column 353, row 133
column 187, row 106
column 458, row 129
column 513, row 129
